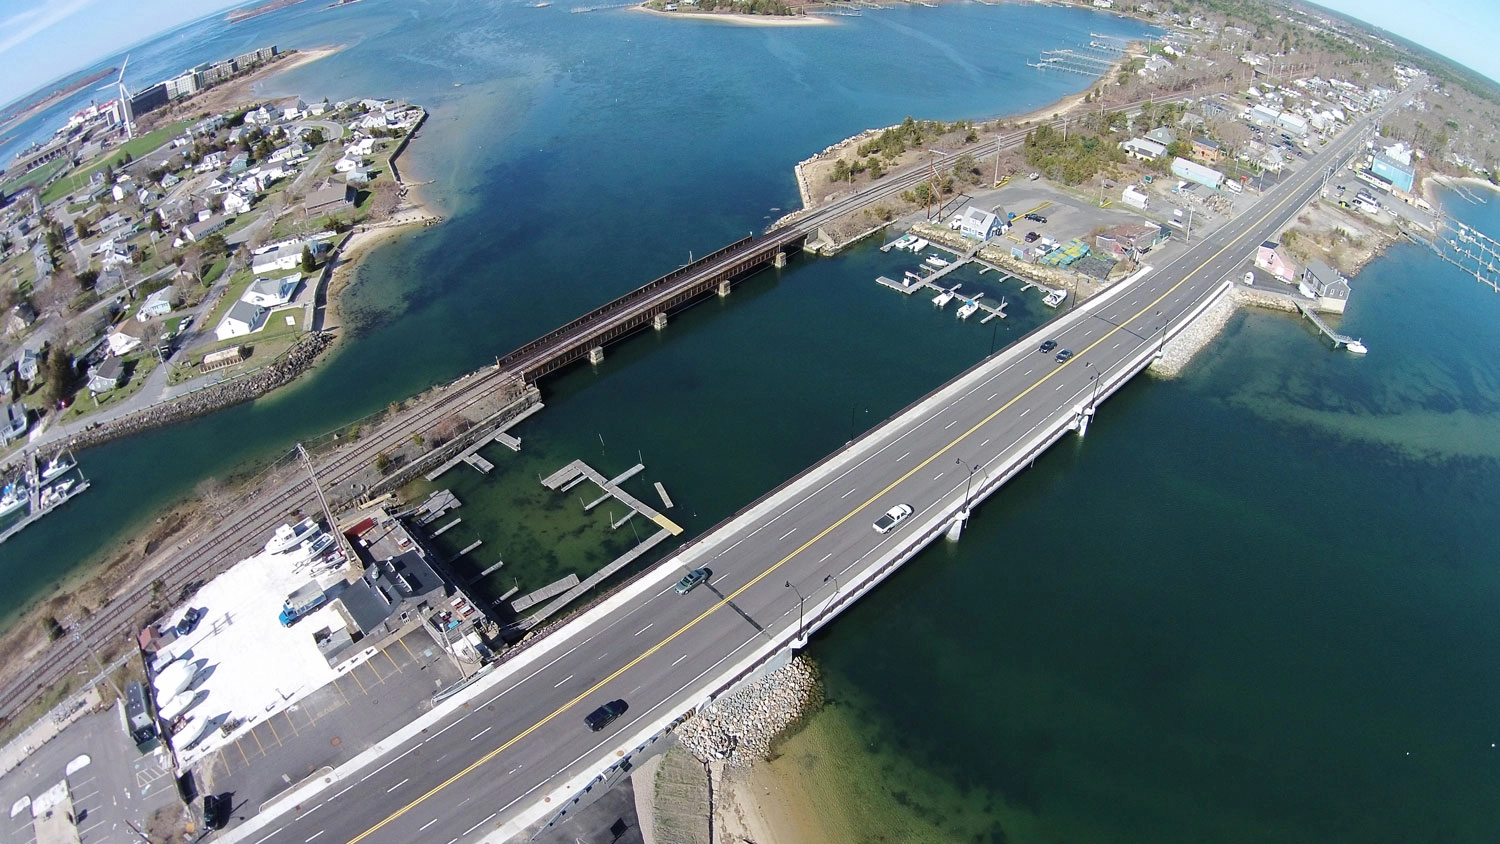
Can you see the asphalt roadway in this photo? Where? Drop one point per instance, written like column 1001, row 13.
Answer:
column 474, row 773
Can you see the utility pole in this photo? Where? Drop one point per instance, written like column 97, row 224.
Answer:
column 338, row 535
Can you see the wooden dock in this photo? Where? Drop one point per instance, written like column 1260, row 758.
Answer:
column 662, row 491
column 445, row 528
column 596, row 578
column 472, row 545
column 571, row 472
column 544, row 593
column 35, row 512
column 472, row 451
column 436, row 505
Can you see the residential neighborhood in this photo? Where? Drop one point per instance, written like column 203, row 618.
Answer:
column 149, row 247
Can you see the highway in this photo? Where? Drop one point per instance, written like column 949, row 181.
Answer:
column 480, row 771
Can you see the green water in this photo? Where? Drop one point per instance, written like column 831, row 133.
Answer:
column 1256, row 604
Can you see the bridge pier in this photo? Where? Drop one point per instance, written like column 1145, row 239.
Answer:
column 660, row 322
column 1081, row 422
column 596, row 355
column 779, row 261
column 956, row 527
column 724, row 288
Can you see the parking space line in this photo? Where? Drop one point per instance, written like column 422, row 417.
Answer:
column 312, row 720
column 357, row 682
column 408, row 650
column 224, row 759
column 288, row 715
column 242, row 751
column 370, row 664
column 257, row 741
column 341, row 690
column 388, row 656
column 272, row 728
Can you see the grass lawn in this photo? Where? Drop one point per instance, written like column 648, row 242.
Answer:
column 262, row 347
column 137, row 147
column 36, row 177
column 137, row 366
column 215, row 270
column 237, row 285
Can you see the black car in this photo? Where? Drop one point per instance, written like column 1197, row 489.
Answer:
column 1064, row 355
column 189, row 621
column 216, row 809
column 605, row 715
column 1036, row 218
column 1048, row 345
column 1031, row 237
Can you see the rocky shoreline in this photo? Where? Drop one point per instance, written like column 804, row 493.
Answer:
column 1180, row 350
column 740, row 727
column 282, row 371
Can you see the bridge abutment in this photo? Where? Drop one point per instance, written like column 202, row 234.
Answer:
column 596, row 355
column 723, row 288
column 779, row 261
column 660, row 322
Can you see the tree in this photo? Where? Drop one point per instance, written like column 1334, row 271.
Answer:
column 81, row 228
column 313, row 137
column 966, row 169
column 60, row 374
column 156, row 223
column 308, row 262
column 109, row 174
column 87, row 278
column 214, row 244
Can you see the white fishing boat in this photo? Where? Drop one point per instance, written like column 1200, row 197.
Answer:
column 968, row 309
column 1356, row 347
column 942, row 299
column 56, row 467
column 12, row 498
column 55, row 495
column 936, row 261
column 918, row 245
column 290, row 536
column 901, row 242
column 1054, row 298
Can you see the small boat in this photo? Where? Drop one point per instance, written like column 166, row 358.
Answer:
column 918, row 245
column 942, row 299
column 968, row 309
column 56, row 467
column 12, row 498
column 287, row 537
column 899, row 243
column 937, row 262
column 55, row 495
column 1054, row 298
column 1356, row 347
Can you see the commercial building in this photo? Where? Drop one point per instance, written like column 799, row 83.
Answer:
column 151, row 99
column 1390, row 170
column 1274, row 259
column 979, row 224
column 1195, row 172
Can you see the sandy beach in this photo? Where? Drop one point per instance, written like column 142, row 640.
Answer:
column 743, row 20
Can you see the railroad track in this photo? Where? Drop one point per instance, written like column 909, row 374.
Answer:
column 225, row 545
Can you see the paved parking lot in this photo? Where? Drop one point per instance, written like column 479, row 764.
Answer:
column 114, row 788
column 331, row 725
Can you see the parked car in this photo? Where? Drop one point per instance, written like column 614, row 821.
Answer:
column 1031, row 237
column 189, row 620
column 605, row 715
column 1064, row 355
column 216, row 809
column 894, row 516
column 1048, row 345
column 1036, row 218
column 691, row 580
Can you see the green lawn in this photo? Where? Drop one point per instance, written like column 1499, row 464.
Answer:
column 139, row 365
column 263, row 346
column 137, row 147
column 37, row 177
column 236, row 289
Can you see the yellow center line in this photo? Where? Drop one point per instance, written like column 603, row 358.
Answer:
column 727, row 599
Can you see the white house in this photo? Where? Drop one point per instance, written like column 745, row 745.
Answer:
column 346, row 165
column 156, row 305
column 236, row 203
column 243, row 318
column 121, row 341
column 278, row 258
column 979, row 224
column 272, row 292
column 1143, row 149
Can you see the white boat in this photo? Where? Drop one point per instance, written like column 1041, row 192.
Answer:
column 54, row 495
column 899, row 243
column 12, row 499
column 918, row 245
column 56, row 467
column 1054, row 298
column 942, row 299
column 937, row 262
column 1356, row 347
column 968, row 309
column 289, row 536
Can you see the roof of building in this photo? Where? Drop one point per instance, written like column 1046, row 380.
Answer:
column 111, row 368
column 385, row 586
column 245, row 312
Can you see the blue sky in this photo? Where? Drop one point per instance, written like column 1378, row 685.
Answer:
column 41, row 40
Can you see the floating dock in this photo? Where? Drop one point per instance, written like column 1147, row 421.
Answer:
column 1339, row 340
column 445, row 528
column 596, row 578
column 569, row 475
column 475, row 544
column 662, row 491
column 435, row 506
column 500, row 436
column 484, row 466
column 542, row 594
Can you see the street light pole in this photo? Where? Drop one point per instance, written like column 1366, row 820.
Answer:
column 852, row 409
column 799, row 607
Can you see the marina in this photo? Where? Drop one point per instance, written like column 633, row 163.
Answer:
column 40, row 490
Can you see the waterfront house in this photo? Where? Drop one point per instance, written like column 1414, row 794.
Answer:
column 1274, row 259
column 347, row 164
column 272, row 292
column 284, row 256
column 107, row 375
column 978, row 224
column 15, row 423
column 1323, row 283
column 243, row 318
column 329, row 199
column 1128, row 241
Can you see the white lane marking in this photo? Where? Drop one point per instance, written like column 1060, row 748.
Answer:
column 272, row 835
column 347, row 787
column 950, row 424
column 847, row 494
column 903, row 457
column 1059, row 385
column 481, row 823
column 1026, row 411
column 1029, row 371
column 985, row 443
column 788, row 533
column 563, row 680
column 398, row 785
column 644, row 629
column 679, row 659
column 316, row 834
column 392, row 762
column 1116, row 346
column 425, row 825
column 482, row 732
column 992, row 397
column 939, row 475
column 825, row 557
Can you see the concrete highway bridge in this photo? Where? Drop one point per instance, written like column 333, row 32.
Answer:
column 512, row 751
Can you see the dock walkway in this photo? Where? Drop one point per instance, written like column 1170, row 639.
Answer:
column 499, row 436
column 572, row 471
column 1339, row 340
column 544, row 593
column 596, row 578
